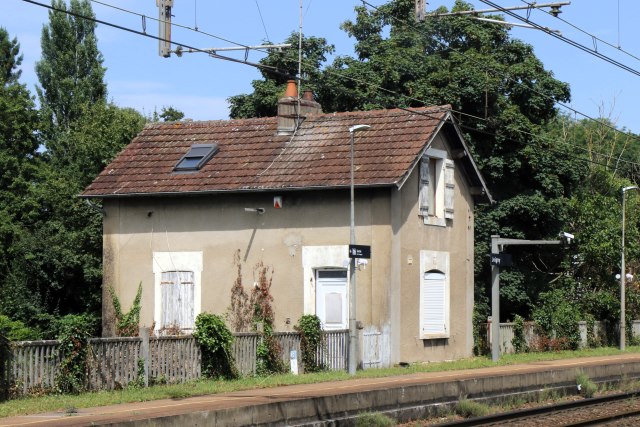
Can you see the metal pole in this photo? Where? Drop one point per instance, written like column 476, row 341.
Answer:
column 622, row 284
column 623, row 273
column 495, row 303
column 353, row 337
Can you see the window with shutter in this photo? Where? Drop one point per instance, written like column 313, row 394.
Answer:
column 432, row 301
column 437, row 187
column 449, row 188
column 177, row 296
column 434, row 304
column 177, row 278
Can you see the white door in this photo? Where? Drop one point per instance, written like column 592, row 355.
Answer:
column 331, row 298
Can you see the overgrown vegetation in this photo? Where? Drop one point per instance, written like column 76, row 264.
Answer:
column 74, row 349
column 469, row 408
column 127, row 324
column 269, row 349
column 215, row 341
column 519, row 341
column 374, row 419
column 311, row 341
column 586, row 386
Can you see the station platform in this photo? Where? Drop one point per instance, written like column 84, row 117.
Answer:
column 404, row 397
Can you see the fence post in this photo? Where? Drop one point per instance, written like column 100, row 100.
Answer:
column 584, row 340
column 5, row 364
column 144, row 353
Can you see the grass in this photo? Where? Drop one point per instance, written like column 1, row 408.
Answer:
column 470, row 409
column 57, row 402
column 374, row 419
column 585, row 385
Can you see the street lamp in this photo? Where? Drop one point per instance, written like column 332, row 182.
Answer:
column 353, row 335
column 623, row 275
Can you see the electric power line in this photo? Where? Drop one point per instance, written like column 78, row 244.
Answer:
column 507, row 76
column 274, row 69
column 144, row 34
column 565, row 39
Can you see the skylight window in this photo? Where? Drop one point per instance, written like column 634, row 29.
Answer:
column 197, row 156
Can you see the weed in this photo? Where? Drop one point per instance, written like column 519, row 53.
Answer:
column 374, row 419
column 586, row 387
column 468, row 408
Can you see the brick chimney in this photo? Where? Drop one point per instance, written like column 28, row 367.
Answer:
column 288, row 115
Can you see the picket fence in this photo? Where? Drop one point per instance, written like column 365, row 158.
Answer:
column 507, row 334
column 115, row 362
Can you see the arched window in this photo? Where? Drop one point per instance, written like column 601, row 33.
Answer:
column 433, row 305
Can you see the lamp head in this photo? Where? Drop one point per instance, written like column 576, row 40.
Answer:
column 356, row 128
column 631, row 187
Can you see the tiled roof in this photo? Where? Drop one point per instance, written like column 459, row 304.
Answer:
column 253, row 157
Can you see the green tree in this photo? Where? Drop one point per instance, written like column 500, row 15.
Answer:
column 168, row 114
column 503, row 98
column 264, row 99
column 18, row 158
column 70, row 72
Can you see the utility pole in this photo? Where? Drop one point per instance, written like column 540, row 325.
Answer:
column 421, row 10
column 164, row 27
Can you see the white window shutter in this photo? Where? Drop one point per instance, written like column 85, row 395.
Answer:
column 433, row 304
column 449, row 188
column 424, row 186
column 177, row 296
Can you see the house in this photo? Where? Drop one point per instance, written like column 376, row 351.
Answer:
column 182, row 198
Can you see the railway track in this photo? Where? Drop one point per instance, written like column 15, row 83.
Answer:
column 621, row 409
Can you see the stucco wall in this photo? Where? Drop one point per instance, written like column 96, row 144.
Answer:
column 456, row 239
column 218, row 226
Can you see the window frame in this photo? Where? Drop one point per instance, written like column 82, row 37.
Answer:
column 204, row 153
column 436, row 187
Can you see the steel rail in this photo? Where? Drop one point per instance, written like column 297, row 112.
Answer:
column 545, row 410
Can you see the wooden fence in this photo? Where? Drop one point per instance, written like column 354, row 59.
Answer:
column 115, row 362
column 5, row 353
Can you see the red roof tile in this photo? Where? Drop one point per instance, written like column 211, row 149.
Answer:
column 253, row 157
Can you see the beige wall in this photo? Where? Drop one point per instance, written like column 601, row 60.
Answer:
column 218, row 226
column 388, row 289
column 456, row 239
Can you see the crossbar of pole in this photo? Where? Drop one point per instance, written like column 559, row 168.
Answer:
column 475, row 12
column 230, row 48
column 512, row 24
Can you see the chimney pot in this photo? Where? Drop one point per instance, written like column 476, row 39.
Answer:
column 308, row 95
column 292, row 90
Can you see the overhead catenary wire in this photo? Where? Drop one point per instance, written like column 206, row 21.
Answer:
column 501, row 72
column 144, row 34
column 567, row 40
column 274, row 69
column 591, row 35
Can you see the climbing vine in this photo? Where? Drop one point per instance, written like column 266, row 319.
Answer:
column 74, row 351
column 311, row 341
column 215, row 339
column 519, row 342
column 127, row 324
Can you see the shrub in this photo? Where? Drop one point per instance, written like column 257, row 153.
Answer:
column 311, row 341
column 215, row 341
column 519, row 342
column 15, row 330
column 557, row 316
column 74, row 348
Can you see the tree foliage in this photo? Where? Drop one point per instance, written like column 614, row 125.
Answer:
column 70, row 72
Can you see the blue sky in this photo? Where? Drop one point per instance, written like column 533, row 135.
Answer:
column 199, row 85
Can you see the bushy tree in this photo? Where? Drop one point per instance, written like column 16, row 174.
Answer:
column 70, row 72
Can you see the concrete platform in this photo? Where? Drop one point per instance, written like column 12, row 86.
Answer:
column 337, row 403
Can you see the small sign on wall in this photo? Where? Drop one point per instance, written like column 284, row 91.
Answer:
column 293, row 358
column 277, row 202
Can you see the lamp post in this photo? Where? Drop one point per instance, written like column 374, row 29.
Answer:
column 353, row 334
column 623, row 274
